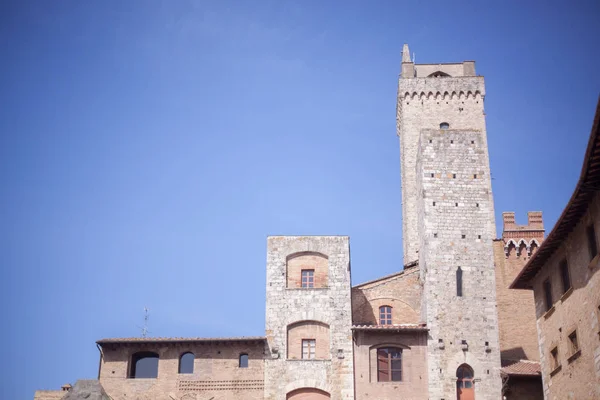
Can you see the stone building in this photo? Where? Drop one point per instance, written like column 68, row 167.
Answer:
column 445, row 326
column 563, row 274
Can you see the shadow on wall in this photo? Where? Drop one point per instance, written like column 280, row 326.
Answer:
column 516, row 353
column 362, row 313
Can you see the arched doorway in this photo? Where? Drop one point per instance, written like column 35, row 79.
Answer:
column 308, row 394
column 464, row 383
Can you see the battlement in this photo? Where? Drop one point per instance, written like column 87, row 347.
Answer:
column 441, row 70
column 535, row 222
column 427, row 88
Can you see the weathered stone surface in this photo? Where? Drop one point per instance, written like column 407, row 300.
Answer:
column 86, row 390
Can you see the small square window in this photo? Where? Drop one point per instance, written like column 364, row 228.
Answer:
column 472, row 142
column 478, row 236
column 430, row 141
column 434, row 203
column 308, row 278
column 453, row 176
column 435, row 235
column 474, row 176
column 432, row 175
column 476, row 204
column 452, row 141
column 455, row 204
column 463, row 236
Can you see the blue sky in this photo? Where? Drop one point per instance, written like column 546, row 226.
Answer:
column 148, row 148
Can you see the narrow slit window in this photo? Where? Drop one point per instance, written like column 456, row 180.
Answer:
column 592, row 244
column 459, row 282
column 548, row 294
column 564, row 275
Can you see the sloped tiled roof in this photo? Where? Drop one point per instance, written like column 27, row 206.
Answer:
column 406, row 268
column 147, row 340
column 521, row 367
column 587, row 186
column 393, row 328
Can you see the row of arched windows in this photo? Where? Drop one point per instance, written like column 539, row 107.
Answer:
column 144, row 364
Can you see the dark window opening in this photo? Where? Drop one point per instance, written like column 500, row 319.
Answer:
column 463, row 236
column 308, row 278
column 186, row 363
column 444, row 125
column 243, row 361
column 548, row 294
column 432, row 175
column 385, row 315
column 564, row 275
column 453, row 176
column 389, row 364
column 573, row 343
column 459, row 282
column 144, row 364
column 474, row 176
column 452, row 142
column 554, row 358
column 592, row 245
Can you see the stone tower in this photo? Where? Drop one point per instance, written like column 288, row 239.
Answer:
column 308, row 318
column 448, row 222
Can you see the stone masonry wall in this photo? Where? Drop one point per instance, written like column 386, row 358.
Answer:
column 456, row 228
column 216, row 372
column 330, row 305
column 578, row 375
column 424, row 103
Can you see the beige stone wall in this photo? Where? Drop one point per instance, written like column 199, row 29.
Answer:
column 414, row 365
column 49, row 394
column 424, row 103
column 216, row 372
column 516, row 309
column 308, row 330
column 402, row 292
column 578, row 376
column 315, row 261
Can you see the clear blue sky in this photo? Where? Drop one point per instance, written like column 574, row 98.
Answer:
column 148, row 148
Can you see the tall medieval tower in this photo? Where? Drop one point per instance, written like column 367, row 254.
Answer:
column 448, row 222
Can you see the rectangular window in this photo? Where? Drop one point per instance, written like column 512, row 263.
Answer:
column 389, row 364
column 548, row 294
column 564, row 275
column 574, row 345
column 308, row 278
column 592, row 245
column 554, row 358
column 308, row 349
column 385, row 315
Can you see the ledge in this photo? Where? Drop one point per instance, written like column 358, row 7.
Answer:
column 308, row 289
column 306, row 360
column 566, row 294
column 574, row 356
column 548, row 313
column 556, row 370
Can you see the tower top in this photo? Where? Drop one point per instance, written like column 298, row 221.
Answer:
column 405, row 54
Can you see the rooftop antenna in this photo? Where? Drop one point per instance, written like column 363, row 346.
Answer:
column 145, row 327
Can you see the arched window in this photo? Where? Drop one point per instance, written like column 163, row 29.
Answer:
column 438, row 74
column 243, row 360
column 459, row 283
column 389, row 364
column 385, row 315
column 464, row 383
column 186, row 363
column 144, row 364
column 444, row 125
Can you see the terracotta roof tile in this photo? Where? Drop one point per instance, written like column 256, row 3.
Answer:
column 396, row 327
column 521, row 367
column 178, row 339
